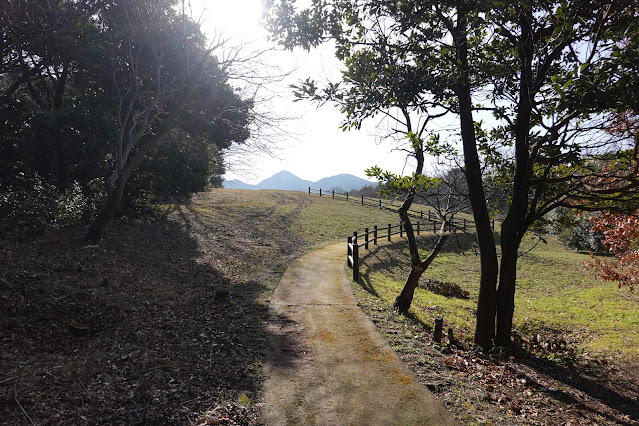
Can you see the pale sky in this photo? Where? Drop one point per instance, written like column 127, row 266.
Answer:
column 312, row 146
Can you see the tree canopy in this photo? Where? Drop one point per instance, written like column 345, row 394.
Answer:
column 531, row 83
column 108, row 90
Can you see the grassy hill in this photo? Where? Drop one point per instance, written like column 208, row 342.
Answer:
column 554, row 293
column 164, row 322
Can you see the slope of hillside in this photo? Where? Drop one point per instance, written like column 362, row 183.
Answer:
column 164, row 322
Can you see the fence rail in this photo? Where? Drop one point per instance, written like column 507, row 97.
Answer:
column 422, row 215
column 426, row 221
column 372, row 236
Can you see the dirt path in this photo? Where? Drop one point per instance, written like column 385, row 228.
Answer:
column 327, row 364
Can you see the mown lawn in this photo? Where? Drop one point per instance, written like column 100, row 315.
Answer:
column 554, row 293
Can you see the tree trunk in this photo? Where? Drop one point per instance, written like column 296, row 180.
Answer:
column 516, row 223
column 114, row 194
column 506, row 292
column 99, row 224
column 511, row 236
column 487, row 301
column 405, row 298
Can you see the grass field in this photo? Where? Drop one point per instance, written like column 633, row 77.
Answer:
column 577, row 350
column 554, row 293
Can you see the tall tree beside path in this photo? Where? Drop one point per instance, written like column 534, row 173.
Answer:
column 531, row 83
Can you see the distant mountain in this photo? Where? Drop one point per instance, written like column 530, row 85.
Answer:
column 237, row 184
column 288, row 181
column 344, row 181
column 285, row 180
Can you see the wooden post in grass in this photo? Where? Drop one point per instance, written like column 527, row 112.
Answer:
column 375, row 234
column 389, row 232
column 366, row 238
column 401, row 230
column 362, row 200
column 309, row 190
column 320, row 192
column 439, row 328
column 418, row 227
column 347, row 197
column 333, row 194
column 355, row 258
column 349, row 252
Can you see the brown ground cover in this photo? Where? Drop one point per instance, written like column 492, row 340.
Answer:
column 160, row 324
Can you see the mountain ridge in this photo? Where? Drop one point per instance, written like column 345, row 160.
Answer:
column 285, row 180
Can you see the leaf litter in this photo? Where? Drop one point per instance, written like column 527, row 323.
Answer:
column 162, row 323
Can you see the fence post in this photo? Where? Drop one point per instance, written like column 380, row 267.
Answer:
column 429, row 215
column 309, row 190
column 366, row 238
column 320, row 192
column 375, row 234
column 347, row 197
column 434, row 227
column 389, row 232
column 418, row 227
column 355, row 258
column 333, row 194
column 362, row 200
column 493, row 224
column 380, row 202
column 401, row 230
column 349, row 252
column 421, row 214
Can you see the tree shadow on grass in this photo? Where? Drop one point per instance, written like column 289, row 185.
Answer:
column 385, row 258
column 163, row 323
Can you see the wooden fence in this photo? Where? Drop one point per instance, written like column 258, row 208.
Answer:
column 426, row 221
column 421, row 215
column 372, row 236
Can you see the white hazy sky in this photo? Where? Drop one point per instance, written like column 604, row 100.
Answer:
column 312, row 145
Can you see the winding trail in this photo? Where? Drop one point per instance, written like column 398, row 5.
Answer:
column 327, row 364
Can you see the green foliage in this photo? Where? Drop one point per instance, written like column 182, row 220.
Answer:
column 81, row 94
column 393, row 185
column 30, row 204
column 575, row 230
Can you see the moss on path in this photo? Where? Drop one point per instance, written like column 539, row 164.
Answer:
column 326, row 361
